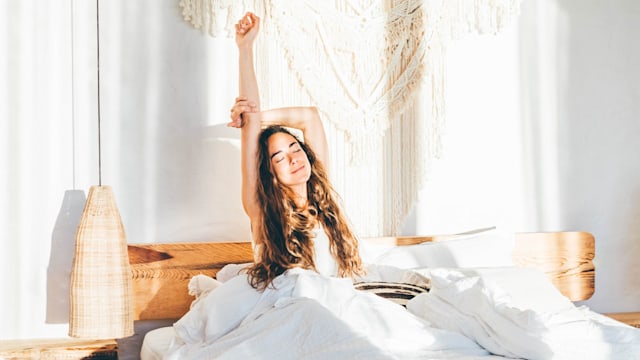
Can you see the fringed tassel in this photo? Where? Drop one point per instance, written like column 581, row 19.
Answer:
column 358, row 81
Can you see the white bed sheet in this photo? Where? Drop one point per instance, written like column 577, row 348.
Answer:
column 302, row 329
column 156, row 343
column 309, row 316
column 511, row 312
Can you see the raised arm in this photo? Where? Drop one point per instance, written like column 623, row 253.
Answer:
column 245, row 112
column 306, row 119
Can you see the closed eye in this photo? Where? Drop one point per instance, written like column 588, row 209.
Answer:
column 278, row 156
column 295, row 147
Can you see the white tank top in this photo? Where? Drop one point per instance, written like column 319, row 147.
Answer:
column 325, row 263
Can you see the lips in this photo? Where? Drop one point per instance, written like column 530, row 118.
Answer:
column 298, row 169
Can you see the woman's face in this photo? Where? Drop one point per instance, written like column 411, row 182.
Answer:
column 289, row 162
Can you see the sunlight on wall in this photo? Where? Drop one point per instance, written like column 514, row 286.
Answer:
column 223, row 80
column 543, row 61
column 36, row 158
column 476, row 183
column 165, row 112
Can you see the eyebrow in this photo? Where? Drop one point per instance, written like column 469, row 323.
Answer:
column 279, row 151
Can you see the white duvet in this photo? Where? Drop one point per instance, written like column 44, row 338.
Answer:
column 467, row 314
column 517, row 312
column 309, row 316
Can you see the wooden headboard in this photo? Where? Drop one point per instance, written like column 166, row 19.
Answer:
column 161, row 272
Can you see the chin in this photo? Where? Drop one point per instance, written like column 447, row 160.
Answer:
column 307, row 176
column 299, row 180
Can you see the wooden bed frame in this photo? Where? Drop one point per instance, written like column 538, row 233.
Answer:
column 161, row 272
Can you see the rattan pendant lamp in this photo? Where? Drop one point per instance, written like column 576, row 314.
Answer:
column 101, row 295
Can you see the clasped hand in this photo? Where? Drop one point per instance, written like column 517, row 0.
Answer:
column 242, row 105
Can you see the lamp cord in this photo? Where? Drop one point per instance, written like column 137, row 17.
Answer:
column 98, row 74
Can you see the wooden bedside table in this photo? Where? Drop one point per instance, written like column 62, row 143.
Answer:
column 630, row 318
column 63, row 349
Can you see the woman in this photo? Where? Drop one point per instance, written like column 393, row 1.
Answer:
column 295, row 217
column 287, row 310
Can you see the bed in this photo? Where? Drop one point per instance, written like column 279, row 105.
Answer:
column 483, row 294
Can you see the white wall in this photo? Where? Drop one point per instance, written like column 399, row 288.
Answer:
column 477, row 183
column 540, row 136
column 543, row 122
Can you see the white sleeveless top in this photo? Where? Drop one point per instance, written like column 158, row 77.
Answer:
column 325, row 263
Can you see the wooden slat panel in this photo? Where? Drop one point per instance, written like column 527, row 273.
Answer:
column 629, row 318
column 418, row 239
column 566, row 257
column 59, row 349
column 405, row 240
column 161, row 272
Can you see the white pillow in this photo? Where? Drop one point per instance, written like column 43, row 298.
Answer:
column 518, row 287
column 506, row 310
column 490, row 248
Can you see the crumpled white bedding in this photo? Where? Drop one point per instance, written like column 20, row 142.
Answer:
column 309, row 316
column 468, row 314
column 516, row 312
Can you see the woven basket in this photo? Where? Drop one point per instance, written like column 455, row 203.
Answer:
column 101, row 305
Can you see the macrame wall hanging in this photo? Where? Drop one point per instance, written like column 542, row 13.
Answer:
column 375, row 70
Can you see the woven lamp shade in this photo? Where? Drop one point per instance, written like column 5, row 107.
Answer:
column 101, row 295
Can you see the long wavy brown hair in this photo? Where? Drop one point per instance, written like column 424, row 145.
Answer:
column 284, row 234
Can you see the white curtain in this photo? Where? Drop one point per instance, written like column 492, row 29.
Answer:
column 36, row 158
